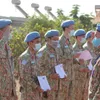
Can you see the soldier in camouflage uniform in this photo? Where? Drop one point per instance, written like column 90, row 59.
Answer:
column 89, row 46
column 29, row 68
column 95, row 78
column 52, row 56
column 81, row 72
column 7, row 81
column 66, row 46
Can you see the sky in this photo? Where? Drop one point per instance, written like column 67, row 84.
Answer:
column 86, row 6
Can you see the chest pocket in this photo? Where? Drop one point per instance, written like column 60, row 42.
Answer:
column 52, row 60
column 67, row 51
column 30, row 70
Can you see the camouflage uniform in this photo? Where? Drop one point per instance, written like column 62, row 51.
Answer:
column 94, row 93
column 29, row 70
column 68, row 65
column 81, row 79
column 7, row 82
column 50, row 58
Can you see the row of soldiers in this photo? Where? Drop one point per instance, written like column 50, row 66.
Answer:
column 81, row 83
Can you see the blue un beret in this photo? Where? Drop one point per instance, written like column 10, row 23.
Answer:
column 5, row 22
column 88, row 34
column 98, row 27
column 31, row 36
column 79, row 32
column 67, row 23
column 51, row 33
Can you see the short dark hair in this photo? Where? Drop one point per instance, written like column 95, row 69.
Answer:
column 65, row 27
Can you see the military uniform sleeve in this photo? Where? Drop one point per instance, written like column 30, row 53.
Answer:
column 3, row 42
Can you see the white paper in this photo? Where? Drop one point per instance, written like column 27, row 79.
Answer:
column 90, row 66
column 60, row 71
column 85, row 55
column 44, row 83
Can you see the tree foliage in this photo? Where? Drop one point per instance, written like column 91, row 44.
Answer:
column 74, row 12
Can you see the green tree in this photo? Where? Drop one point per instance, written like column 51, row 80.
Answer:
column 74, row 12
column 86, row 21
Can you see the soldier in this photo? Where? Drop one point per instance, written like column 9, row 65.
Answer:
column 81, row 72
column 7, row 81
column 89, row 37
column 66, row 46
column 68, row 30
column 94, row 81
column 29, row 68
column 52, row 56
column 88, row 45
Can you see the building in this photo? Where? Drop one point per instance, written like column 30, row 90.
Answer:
column 97, row 17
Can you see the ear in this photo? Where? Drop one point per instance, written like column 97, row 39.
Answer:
column 48, row 39
column 30, row 44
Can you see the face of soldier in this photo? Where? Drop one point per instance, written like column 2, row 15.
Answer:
column 54, row 41
column 90, row 39
column 35, row 44
column 70, row 30
column 80, row 39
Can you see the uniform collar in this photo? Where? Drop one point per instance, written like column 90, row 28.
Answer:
column 50, row 49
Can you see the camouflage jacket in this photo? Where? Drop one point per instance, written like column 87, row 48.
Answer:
column 66, row 47
column 29, row 69
column 50, row 58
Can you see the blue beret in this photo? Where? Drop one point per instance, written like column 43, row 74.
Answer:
column 88, row 34
column 98, row 27
column 5, row 22
column 51, row 33
column 79, row 32
column 67, row 23
column 31, row 36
